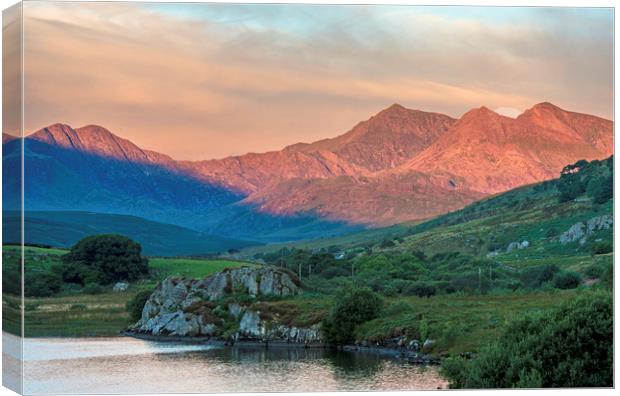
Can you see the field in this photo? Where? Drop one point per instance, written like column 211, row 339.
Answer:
column 78, row 315
column 191, row 268
column 458, row 323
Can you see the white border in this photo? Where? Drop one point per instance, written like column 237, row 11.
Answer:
column 565, row 3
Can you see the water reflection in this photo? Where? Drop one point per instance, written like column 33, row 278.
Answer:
column 124, row 365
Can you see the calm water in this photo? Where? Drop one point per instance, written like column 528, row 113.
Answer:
column 127, row 365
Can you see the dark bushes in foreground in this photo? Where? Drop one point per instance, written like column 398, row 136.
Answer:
column 571, row 346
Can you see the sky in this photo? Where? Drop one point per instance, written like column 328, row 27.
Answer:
column 201, row 81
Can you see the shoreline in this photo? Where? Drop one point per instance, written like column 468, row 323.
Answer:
column 414, row 358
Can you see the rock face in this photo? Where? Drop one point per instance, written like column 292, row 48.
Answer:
column 253, row 327
column 191, row 307
column 581, row 231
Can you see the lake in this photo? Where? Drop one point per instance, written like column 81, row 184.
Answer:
column 128, row 365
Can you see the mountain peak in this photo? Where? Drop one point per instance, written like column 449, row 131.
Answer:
column 395, row 106
column 92, row 139
column 95, row 129
column 479, row 114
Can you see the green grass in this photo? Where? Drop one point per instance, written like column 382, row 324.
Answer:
column 99, row 315
column 34, row 250
column 458, row 323
column 191, row 268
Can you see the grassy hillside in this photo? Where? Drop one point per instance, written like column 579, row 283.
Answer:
column 461, row 276
column 63, row 229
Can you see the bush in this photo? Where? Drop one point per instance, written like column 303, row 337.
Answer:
column 566, row 280
column 387, row 243
column 535, row 277
column 353, row 306
column 571, row 346
column 136, row 304
column 43, row 284
column 595, row 271
column 103, row 259
column 603, row 247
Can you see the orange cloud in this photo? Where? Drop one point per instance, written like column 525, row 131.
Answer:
column 198, row 88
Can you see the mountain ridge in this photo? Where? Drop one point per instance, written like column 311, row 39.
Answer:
column 398, row 165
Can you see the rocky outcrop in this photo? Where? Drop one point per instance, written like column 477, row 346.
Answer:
column 580, row 231
column 517, row 246
column 198, row 308
column 253, row 327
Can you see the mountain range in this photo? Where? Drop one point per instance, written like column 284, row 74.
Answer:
column 400, row 165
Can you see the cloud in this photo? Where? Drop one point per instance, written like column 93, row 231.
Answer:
column 200, row 81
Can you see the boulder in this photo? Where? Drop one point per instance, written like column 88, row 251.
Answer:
column 517, row 245
column 120, row 287
column 428, row 345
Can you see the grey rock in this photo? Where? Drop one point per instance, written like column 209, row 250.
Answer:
column 517, row 245
column 235, row 310
column 580, row 231
column 428, row 345
column 250, row 325
column 183, row 307
column 120, row 287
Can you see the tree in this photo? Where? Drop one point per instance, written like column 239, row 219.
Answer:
column 353, row 307
column 570, row 346
column 570, row 183
column 603, row 191
column 103, row 259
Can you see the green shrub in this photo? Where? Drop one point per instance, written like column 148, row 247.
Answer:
column 353, row 306
column 602, row 247
column 103, row 259
column 571, row 346
column 566, row 280
column 136, row 304
column 11, row 279
column 43, row 284
column 595, row 270
column 535, row 277
column 77, row 307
